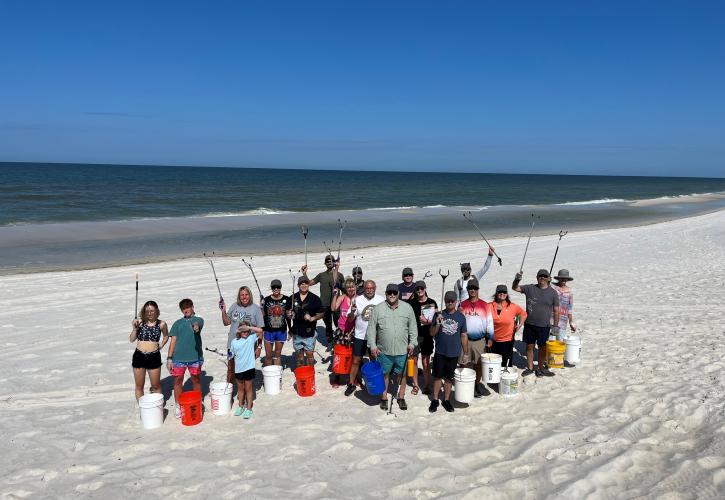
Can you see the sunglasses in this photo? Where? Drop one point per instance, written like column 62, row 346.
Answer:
column 465, row 269
column 472, row 289
column 406, row 275
column 276, row 288
column 391, row 293
column 419, row 289
column 504, row 293
column 450, row 301
column 358, row 273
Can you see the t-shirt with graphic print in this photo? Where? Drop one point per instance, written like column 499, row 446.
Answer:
column 364, row 309
column 448, row 338
column 250, row 315
column 275, row 319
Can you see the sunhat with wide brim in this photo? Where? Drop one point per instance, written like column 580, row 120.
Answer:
column 563, row 274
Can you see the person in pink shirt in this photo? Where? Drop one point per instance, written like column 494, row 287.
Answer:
column 343, row 305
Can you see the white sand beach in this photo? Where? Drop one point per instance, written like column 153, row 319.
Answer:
column 642, row 416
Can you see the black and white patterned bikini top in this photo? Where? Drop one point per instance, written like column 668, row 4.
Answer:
column 148, row 333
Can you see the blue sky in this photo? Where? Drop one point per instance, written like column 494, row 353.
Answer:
column 631, row 88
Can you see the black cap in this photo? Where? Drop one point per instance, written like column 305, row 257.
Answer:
column 303, row 279
column 450, row 296
column 392, row 287
column 502, row 289
column 420, row 284
column 356, row 269
column 329, row 258
column 472, row 283
column 542, row 272
column 407, row 270
column 275, row 283
column 465, row 265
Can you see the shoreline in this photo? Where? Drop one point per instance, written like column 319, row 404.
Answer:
column 468, row 238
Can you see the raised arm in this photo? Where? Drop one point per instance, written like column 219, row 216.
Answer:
column 486, row 265
column 515, row 285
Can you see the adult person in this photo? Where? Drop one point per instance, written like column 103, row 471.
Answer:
column 361, row 310
column 243, row 312
column 461, row 285
column 424, row 308
column 479, row 326
column 307, row 310
column 508, row 318
column 392, row 336
column 449, row 330
column 342, row 304
column 357, row 274
column 542, row 302
column 146, row 331
column 275, row 307
column 330, row 281
column 407, row 287
column 566, row 300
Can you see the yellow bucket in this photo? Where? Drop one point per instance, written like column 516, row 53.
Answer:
column 555, row 350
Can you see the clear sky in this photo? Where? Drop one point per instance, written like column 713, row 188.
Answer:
column 549, row 87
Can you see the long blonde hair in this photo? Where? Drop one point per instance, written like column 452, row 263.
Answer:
column 249, row 291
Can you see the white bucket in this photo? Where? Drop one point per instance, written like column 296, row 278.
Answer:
column 152, row 410
column 465, row 383
column 272, row 379
column 573, row 352
column 509, row 383
column 491, row 368
column 221, row 397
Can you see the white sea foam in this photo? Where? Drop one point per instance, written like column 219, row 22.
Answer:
column 593, row 202
column 393, row 208
column 257, row 211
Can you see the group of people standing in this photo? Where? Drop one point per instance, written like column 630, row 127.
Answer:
column 402, row 329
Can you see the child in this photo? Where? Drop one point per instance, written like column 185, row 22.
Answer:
column 185, row 351
column 245, row 348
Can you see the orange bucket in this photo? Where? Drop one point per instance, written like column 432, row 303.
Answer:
column 191, row 411
column 342, row 361
column 305, row 376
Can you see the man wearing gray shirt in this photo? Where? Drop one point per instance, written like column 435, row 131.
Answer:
column 542, row 302
column 392, row 336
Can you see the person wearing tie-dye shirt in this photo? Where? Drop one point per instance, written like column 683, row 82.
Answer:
column 566, row 300
column 479, row 327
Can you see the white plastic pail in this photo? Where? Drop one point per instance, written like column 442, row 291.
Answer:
column 509, row 383
column 573, row 352
column 464, row 384
column 152, row 410
column 272, row 379
column 221, row 397
column 491, row 368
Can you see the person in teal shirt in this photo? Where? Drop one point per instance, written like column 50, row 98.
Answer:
column 185, row 350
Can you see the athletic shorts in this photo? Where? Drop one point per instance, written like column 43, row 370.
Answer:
column 275, row 336
column 178, row 368
column 425, row 345
column 476, row 348
column 246, row 374
column 392, row 364
column 536, row 334
column 359, row 347
column 147, row 360
column 444, row 367
column 303, row 344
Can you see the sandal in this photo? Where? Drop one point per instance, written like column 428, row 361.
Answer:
column 415, row 390
column 403, row 405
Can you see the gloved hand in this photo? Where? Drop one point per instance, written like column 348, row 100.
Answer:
column 518, row 277
column 555, row 330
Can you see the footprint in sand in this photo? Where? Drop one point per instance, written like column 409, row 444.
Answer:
column 229, row 463
column 340, row 447
column 86, row 487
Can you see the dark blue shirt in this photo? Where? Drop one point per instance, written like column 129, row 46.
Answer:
column 448, row 338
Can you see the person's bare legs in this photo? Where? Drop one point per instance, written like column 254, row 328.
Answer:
column 277, row 359
column 249, row 393
column 530, row 356
column 178, row 387
column 447, row 390
column 240, row 393
column 384, row 395
column 196, row 381
column 155, row 380
column 402, row 384
column 310, row 358
column 434, row 395
column 268, row 349
column 354, row 369
column 542, row 356
column 426, row 369
column 415, row 372
column 230, row 371
column 139, row 378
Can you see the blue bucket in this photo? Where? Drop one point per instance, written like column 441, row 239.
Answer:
column 372, row 373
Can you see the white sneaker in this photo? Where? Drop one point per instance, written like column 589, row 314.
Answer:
column 177, row 411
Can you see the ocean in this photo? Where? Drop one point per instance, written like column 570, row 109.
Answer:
column 65, row 216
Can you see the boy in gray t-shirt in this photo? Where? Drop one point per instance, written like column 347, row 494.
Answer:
column 542, row 302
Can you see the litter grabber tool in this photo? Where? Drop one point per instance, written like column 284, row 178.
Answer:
column 249, row 266
column 443, row 287
column 469, row 218
column 562, row 233
column 210, row 260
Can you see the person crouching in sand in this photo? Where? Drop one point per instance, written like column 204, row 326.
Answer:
column 246, row 348
column 185, row 351
column 449, row 330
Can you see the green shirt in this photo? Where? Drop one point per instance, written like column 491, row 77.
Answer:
column 392, row 330
column 326, row 285
column 188, row 343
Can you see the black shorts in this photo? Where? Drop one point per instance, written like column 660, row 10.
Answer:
column 536, row 334
column 246, row 375
column 444, row 366
column 425, row 345
column 359, row 347
column 149, row 361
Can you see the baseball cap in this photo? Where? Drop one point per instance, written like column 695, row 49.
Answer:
column 275, row 283
column 392, row 287
column 542, row 272
column 420, row 284
column 303, row 279
column 472, row 283
column 502, row 289
column 450, row 296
